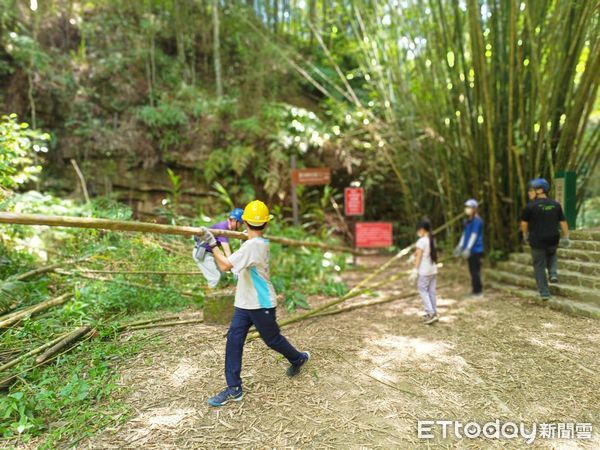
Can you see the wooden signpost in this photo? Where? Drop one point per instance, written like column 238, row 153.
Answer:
column 316, row 176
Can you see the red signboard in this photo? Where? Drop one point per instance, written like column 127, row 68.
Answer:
column 312, row 177
column 354, row 201
column 373, row 234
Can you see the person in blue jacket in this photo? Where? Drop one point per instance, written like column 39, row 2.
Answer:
column 470, row 246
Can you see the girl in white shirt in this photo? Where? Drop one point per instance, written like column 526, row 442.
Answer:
column 425, row 270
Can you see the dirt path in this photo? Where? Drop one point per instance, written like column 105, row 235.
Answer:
column 373, row 374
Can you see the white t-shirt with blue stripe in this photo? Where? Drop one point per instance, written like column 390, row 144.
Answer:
column 251, row 265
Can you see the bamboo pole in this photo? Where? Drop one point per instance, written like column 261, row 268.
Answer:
column 64, row 342
column 374, row 303
column 5, row 383
column 47, row 304
column 146, row 321
column 20, row 277
column 33, row 352
column 364, row 305
column 41, row 270
column 127, row 283
column 139, row 272
column 165, row 324
column 145, row 227
column 81, row 180
column 38, row 271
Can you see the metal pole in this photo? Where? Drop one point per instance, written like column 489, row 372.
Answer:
column 296, row 221
column 354, row 258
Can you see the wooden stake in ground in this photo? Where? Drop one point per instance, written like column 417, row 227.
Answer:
column 144, row 227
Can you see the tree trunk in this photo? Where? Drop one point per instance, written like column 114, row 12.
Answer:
column 217, row 48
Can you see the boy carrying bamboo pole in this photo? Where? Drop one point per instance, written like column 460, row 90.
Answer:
column 255, row 302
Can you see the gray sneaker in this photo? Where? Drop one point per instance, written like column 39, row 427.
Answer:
column 431, row 318
column 553, row 279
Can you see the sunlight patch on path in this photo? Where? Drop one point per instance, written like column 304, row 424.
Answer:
column 159, row 421
column 183, row 373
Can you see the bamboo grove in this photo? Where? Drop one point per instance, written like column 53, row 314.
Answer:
column 473, row 98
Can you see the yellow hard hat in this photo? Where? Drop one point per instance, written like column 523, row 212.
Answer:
column 256, row 213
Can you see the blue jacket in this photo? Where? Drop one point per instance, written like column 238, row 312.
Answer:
column 471, row 228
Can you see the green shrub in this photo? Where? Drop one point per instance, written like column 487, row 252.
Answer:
column 19, row 146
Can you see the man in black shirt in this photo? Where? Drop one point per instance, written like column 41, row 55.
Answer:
column 540, row 223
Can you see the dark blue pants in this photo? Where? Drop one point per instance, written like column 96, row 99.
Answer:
column 266, row 324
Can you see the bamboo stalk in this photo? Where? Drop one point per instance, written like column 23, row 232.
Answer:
column 146, row 321
column 165, row 324
column 47, row 304
column 81, row 180
column 374, row 303
column 364, row 305
column 145, row 227
column 38, row 271
column 139, row 272
column 4, row 384
column 64, row 342
column 126, row 283
column 33, row 352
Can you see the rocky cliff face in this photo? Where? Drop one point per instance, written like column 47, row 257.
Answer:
column 120, row 160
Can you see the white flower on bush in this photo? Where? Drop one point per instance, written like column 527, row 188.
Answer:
column 287, row 141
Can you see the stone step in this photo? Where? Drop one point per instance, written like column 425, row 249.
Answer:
column 593, row 246
column 563, row 264
column 574, row 254
column 557, row 303
column 565, row 276
column 586, row 234
column 579, row 255
column 575, row 293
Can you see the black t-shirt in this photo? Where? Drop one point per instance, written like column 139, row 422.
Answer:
column 543, row 216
